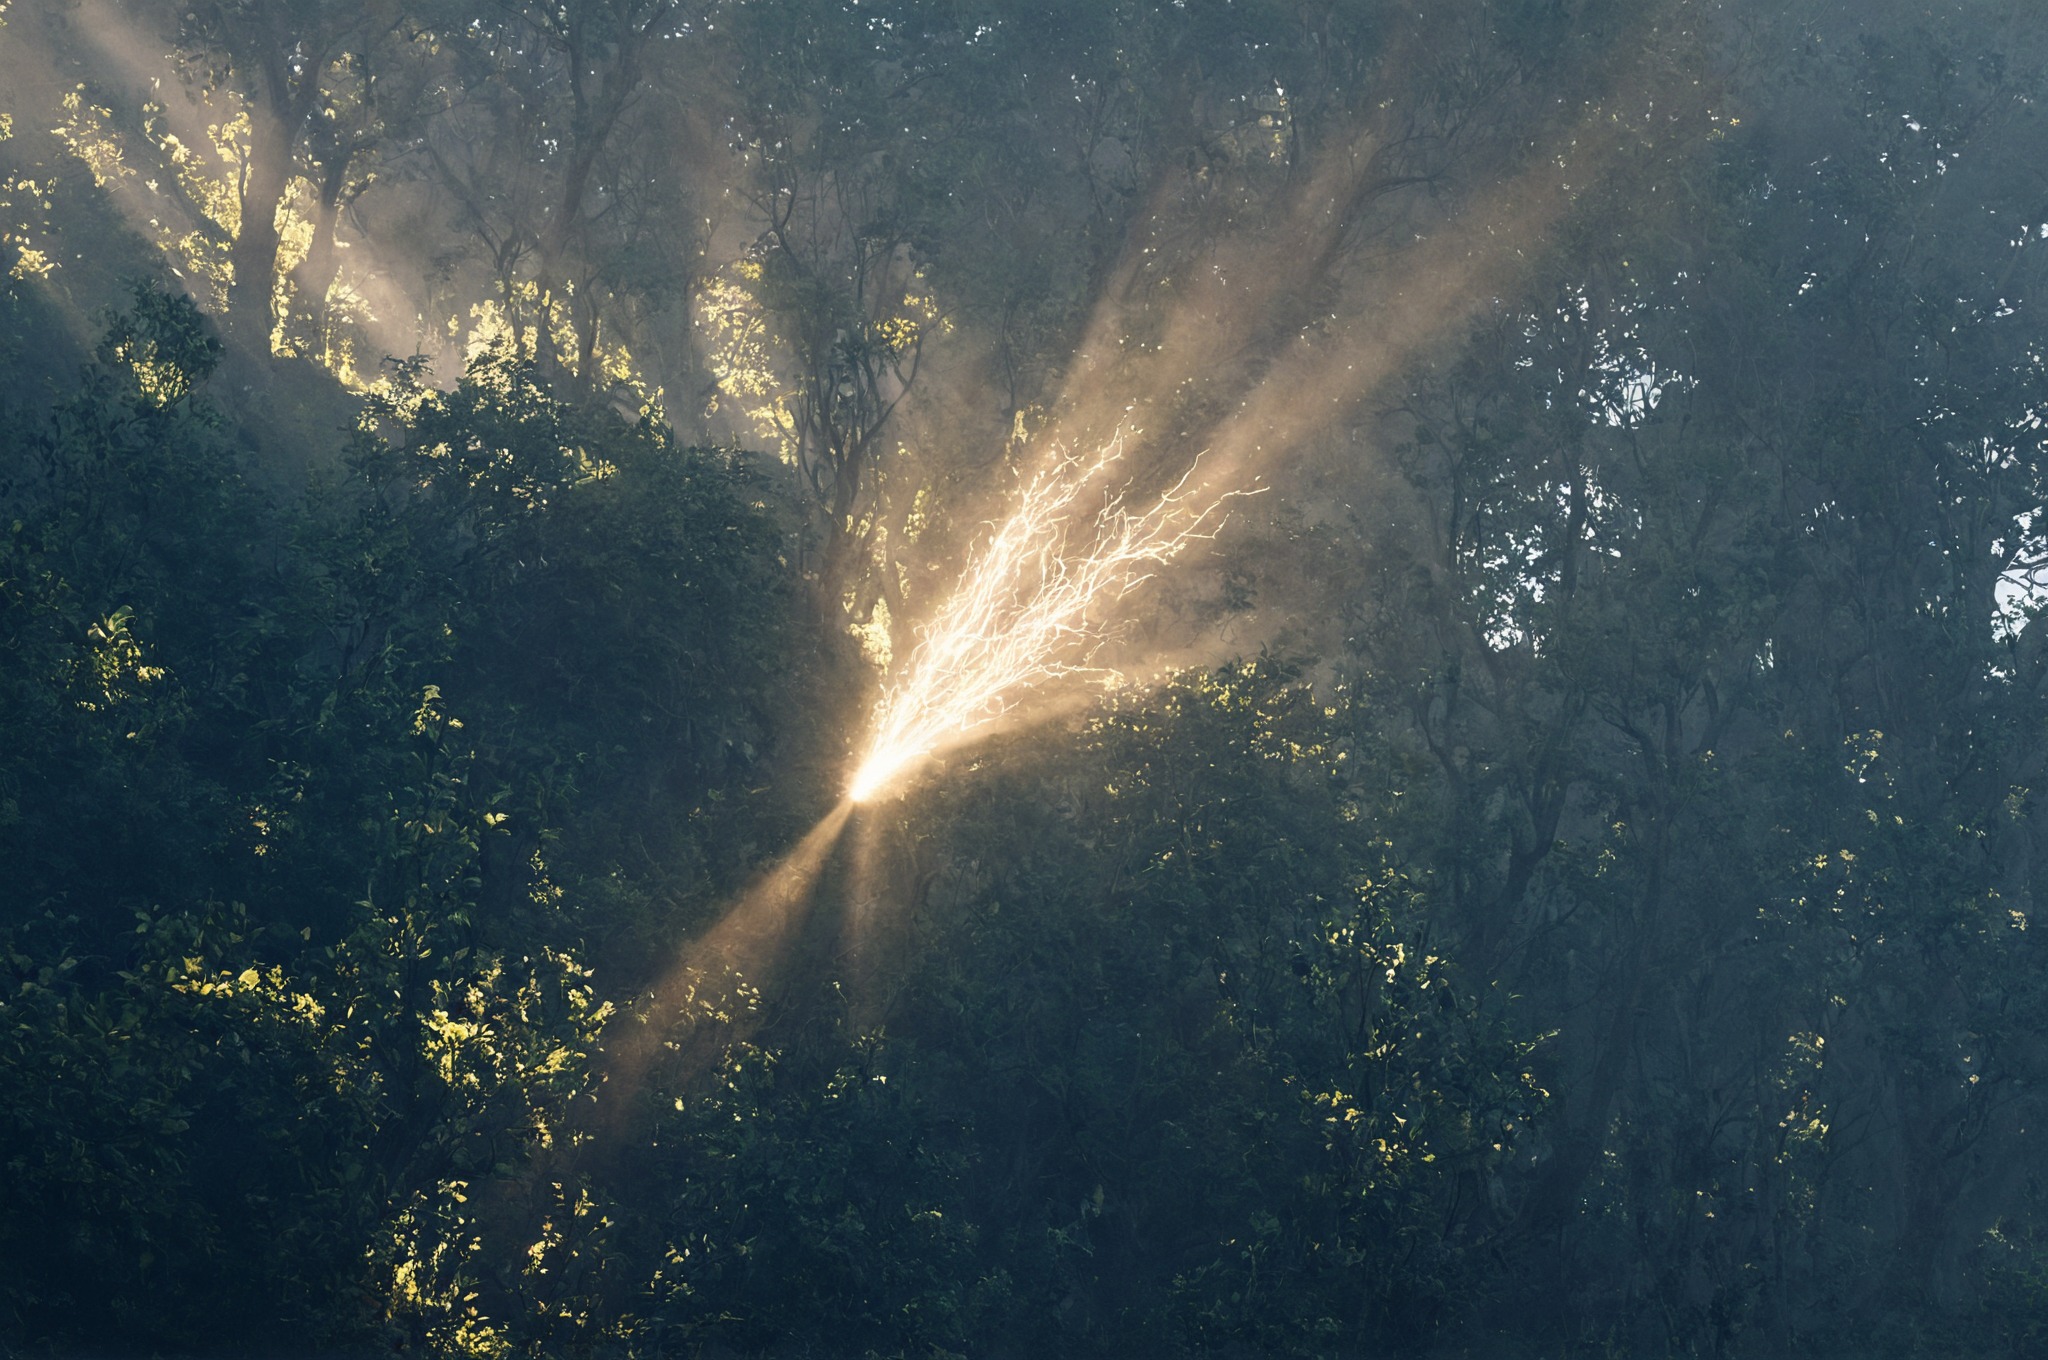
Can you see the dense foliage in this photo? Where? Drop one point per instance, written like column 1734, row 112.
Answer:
column 1569, row 892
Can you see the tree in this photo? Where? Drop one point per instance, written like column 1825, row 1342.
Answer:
column 278, row 55
column 534, row 145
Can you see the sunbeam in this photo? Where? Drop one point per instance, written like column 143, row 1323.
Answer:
column 1036, row 604
column 719, row 975
column 1043, row 594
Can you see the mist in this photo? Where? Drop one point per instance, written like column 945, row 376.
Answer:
column 878, row 678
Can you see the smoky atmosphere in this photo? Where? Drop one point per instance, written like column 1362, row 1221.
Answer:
column 994, row 679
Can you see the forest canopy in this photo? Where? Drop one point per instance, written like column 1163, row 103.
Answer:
column 1529, row 854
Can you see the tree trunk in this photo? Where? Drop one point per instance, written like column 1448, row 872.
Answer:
column 255, row 250
column 317, row 274
column 1553, row 1200
column 553, row 255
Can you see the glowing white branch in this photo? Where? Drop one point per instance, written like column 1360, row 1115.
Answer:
column 1030, row 609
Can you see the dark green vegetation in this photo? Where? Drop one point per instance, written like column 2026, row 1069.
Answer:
column 1595, row 919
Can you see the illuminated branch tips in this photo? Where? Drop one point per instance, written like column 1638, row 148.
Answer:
column 1034, row 605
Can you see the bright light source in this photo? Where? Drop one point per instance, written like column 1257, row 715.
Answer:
column 1033, row 606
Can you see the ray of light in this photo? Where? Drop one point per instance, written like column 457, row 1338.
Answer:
column 719, row 975
column 1039, row 599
